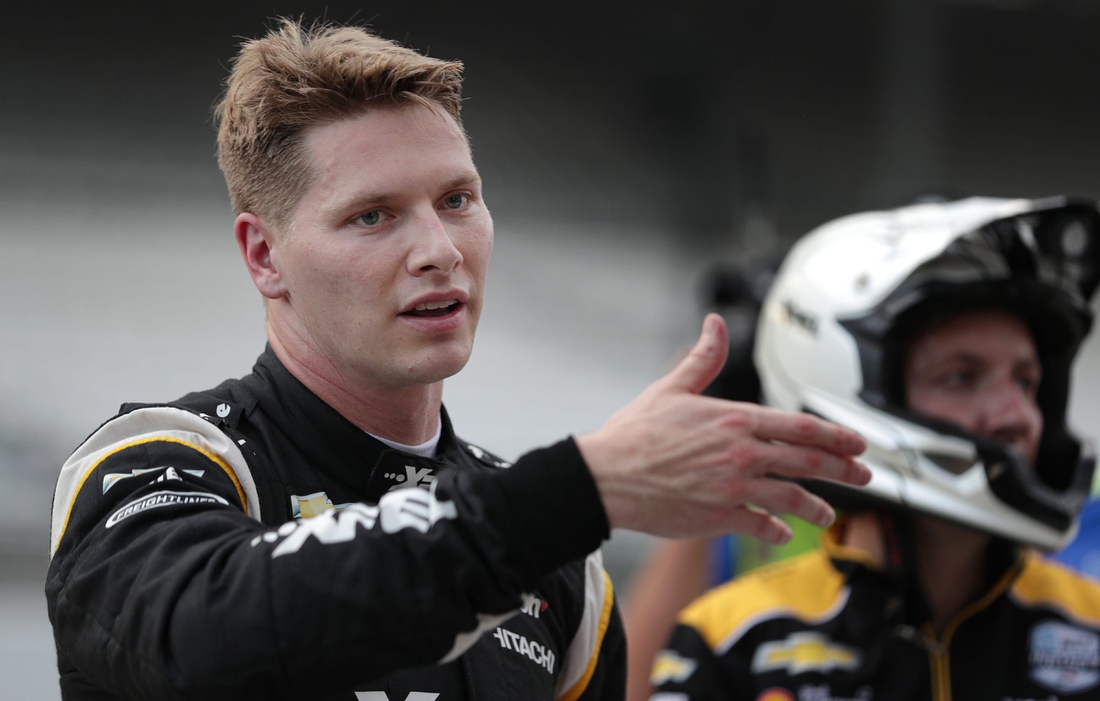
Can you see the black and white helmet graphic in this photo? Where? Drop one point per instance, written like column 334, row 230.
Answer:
column 830, row 333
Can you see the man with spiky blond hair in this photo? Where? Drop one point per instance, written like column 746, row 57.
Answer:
column 315, row 529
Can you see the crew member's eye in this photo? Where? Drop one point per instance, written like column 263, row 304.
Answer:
column 370, row 218
column 1028, row 383
column 455, row 201
column 959, row 378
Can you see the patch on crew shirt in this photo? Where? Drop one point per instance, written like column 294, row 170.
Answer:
column 1064, row 657
column 804, row 652
column 670, row 666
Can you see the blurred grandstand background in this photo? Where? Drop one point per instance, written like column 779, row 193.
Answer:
column 626, row 148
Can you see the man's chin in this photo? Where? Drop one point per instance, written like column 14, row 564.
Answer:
column 432, row 369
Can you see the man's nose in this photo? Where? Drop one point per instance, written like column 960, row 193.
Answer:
column 433, row 248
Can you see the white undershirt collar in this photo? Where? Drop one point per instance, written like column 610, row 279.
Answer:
column 424, row 450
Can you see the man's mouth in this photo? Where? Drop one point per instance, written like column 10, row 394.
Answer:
column 429, row 309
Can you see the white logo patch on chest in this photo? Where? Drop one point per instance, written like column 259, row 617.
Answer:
column 413, row 477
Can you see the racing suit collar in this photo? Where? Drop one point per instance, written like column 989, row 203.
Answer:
column 333, row 444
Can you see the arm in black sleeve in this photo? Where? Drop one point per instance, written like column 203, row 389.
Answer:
column 162, row 583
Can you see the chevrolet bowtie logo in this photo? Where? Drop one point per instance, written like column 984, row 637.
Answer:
column 804, row 652
column 312, row 505
column 670, row 666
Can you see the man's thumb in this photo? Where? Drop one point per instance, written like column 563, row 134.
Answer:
column 705, row 360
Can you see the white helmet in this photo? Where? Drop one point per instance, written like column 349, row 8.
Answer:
column 829, row 335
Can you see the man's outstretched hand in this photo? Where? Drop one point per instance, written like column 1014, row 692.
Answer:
column 676, row 464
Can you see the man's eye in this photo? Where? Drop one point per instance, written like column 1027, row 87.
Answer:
column 370, row 218
column 455, row 201
column 959, row 378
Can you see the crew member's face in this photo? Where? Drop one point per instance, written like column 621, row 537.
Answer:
column 979, row 370
column 386, row 259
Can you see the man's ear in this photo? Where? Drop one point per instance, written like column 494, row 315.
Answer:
column 259, row 248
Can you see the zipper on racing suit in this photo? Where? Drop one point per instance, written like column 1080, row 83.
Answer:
column 939, row 648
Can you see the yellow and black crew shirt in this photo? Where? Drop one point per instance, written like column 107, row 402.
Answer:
column 831, row 625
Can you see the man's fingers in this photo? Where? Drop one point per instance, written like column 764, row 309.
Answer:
column 703, row 363
column 756, row 522
column 780, row 497
column 799, row 462
column 808, row 430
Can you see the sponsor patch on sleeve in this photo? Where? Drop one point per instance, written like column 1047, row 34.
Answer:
column 113, row 478
column 158, row 500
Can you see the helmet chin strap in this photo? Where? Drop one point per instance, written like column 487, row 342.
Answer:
column 900, row 556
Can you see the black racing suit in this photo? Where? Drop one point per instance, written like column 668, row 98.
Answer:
column 833, row 625
column 250, row 542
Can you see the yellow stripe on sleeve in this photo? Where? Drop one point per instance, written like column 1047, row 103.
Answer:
column 577, row 689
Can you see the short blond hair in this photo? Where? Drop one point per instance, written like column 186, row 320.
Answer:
column 295, row 77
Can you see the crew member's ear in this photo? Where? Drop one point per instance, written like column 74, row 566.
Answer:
column 259, row 248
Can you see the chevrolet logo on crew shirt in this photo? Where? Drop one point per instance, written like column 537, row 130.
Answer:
column 804, row 652
column 670, row 666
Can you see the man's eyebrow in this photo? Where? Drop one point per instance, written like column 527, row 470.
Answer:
column 935, row 365
column 1033, row 362
column 965, row 356
column 366, row 199
column 977, row 358
column 465, row 178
